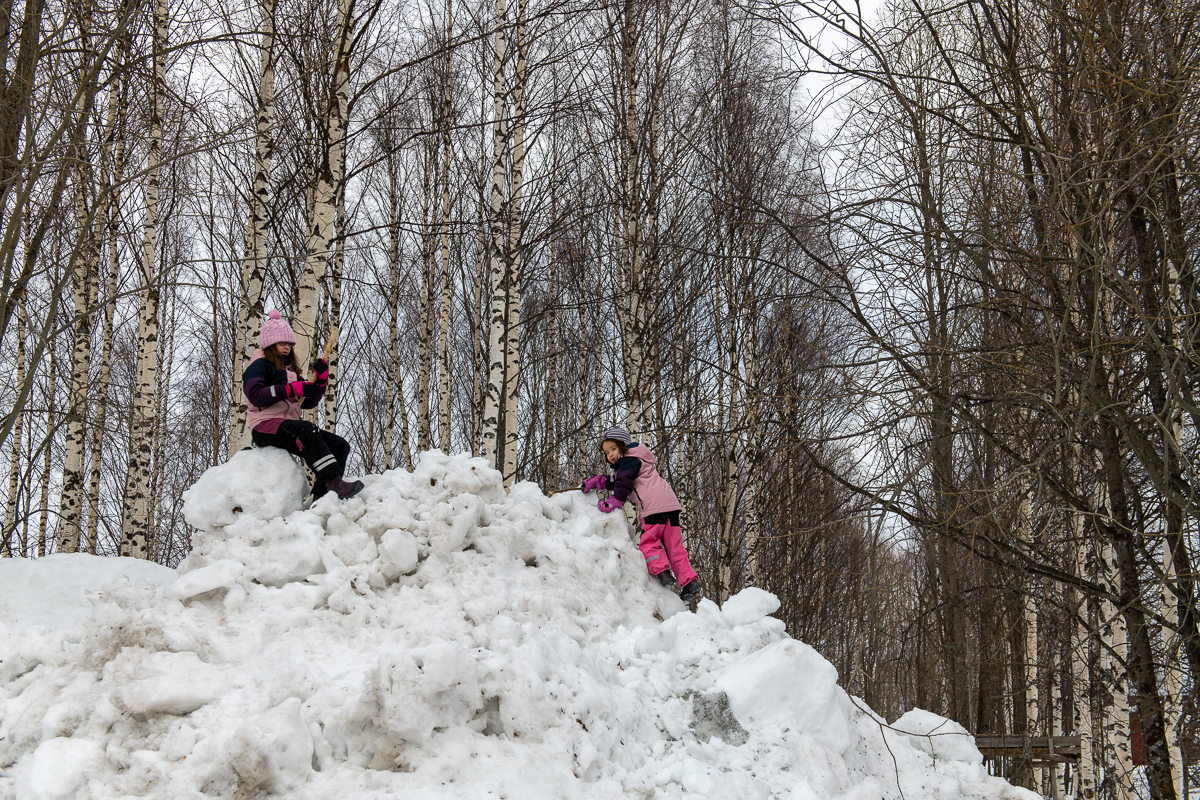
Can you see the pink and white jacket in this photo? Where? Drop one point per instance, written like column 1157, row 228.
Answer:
column 637, row 477
column 267, row 405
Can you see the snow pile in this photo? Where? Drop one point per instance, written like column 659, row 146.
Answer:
column 52, row 592
column 436, row 637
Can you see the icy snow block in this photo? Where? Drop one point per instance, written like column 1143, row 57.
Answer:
column 749, row 606
column 275, row 751
column 711, row 717
column 790, row 683
column 938, row 737
column 399, row 551
column 183, row 684
column 660, row 639
column 51, row 592
column 263, row 482
column 57, row 770
column 217, row 575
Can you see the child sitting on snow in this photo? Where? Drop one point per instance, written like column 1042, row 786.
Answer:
column 658, row 508
column 276, row 394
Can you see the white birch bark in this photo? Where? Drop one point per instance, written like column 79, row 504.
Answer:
column 444, row 349
column 490, row 445
column 14, row 464
column 425, row 333
column 631, row 308
column 1081, row 678
column 334, row 292
column 135, row 532
column 514, row 278
column 70, row 524
column 1118, row 755
column 394, row 384
column 326, row 181
column 112, row 170
column 254, row 263
column 1030, row 615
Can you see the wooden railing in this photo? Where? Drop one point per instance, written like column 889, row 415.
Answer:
column 1037, row 749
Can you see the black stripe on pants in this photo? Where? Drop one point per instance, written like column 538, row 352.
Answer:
column 324, row 452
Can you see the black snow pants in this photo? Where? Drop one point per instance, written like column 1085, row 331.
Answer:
column 324, row 452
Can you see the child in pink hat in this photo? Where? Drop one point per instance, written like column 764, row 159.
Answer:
column 658, row 508
column 276, row 394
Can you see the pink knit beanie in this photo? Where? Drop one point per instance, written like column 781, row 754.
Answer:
column 275, row 330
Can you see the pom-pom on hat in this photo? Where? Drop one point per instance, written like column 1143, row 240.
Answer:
column 618, row 435
column 275, row 329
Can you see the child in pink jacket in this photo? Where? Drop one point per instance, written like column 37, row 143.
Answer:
column 658, row 508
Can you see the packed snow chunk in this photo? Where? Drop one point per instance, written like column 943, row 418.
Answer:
column 51, row 592
column 57, row 769
column 274, row 752
column 936, row 736
column 219, row 575
column 263, row 482
column 179, row 683
column 790, row 683
column 400, row 553
column 749, row 606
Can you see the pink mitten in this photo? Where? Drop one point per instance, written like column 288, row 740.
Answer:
column 595, row 482
column 611, row 504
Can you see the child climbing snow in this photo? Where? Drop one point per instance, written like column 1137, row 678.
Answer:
column 276, row 394
column 658, row 508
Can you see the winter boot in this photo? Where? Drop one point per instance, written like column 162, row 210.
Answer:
column 691, row 592
column 318, row 490
column 666, row 578
column 342, row 488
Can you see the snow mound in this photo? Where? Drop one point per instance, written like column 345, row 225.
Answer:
column 437, row 637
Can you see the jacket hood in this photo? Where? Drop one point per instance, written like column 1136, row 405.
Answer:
column 640, row 450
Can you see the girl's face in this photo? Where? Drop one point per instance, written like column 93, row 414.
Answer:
column 611, row 451
column 283, row 348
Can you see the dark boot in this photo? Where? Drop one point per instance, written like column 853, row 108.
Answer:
column 691, row 592
column 318, row 490
column 342, row 488
column 666, row 578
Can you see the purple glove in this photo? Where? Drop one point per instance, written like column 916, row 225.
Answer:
column 313, row 390
column 611, row 504
column 595, row 482
column 294, row 389
column 321, row 370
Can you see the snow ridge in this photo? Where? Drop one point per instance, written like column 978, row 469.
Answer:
column 437, row 637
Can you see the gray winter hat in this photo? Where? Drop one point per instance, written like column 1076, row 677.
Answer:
column 618, row 435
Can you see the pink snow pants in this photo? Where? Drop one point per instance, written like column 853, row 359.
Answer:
column 662, row 545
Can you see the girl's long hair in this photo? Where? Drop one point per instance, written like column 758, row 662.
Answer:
column 283, row 362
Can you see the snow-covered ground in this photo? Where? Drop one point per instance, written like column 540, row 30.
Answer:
column 434, row 637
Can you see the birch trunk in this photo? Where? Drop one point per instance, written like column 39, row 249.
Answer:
column 1081, row 677
column 444, row 348
column 135, row 530
column 394, row 384
column 1118, row 755
column 14, row 464
column 514, row 278
column 335, row 301
column 70, row 525
column 254, row 263
column 326, row 184
column 631, row 309
column 425, row 334
column 112, row 170
column 491, row 443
